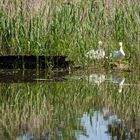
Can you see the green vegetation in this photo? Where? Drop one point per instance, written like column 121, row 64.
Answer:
column 56, row 27
column 68, row 28
column 57, row 107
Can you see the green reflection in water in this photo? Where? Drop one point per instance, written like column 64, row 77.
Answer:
column 53, row 110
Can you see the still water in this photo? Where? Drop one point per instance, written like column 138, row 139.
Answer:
column 81, row 105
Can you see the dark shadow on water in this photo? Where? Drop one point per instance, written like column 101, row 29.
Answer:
column 31, row 75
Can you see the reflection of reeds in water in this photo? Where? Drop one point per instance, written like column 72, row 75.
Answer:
column 41, row 107
column 126, row 106
column 55, row 108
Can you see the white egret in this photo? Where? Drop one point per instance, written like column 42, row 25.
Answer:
column 119, row 55
column 96, row 54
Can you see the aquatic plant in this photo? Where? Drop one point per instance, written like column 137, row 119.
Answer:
column 68, row 28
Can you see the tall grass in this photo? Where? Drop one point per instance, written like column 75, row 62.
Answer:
column 68, row 28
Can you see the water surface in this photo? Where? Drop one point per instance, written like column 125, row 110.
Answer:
column 81, row 105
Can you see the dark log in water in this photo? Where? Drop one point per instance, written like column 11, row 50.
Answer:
column 32, row 62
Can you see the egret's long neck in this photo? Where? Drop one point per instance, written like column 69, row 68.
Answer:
column 121, row 49
column 100, row 46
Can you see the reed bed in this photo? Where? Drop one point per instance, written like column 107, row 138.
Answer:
column 69, row 28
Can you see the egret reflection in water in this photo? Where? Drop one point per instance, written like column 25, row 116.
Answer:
column 71, row 108
column 99, row 78
column 119, row 80
column 96, row 78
